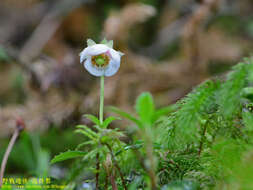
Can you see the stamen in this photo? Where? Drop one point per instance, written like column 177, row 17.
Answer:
column 101, row 60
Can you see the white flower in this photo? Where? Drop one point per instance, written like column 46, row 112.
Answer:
column 101, row 59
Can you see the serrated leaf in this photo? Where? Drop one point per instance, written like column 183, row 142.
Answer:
column 145, row 107
column 90, row 42
column 67, row 155
column 98, row 128
column 85, row 143
column 91, row 154
column 110, row 134
column 84, row 127
column 125, row 115
column 93, row 118
column 85, row 133
column 108, row 120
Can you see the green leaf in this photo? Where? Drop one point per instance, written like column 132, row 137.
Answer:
column 91, row 154
column 85, row 133
column 163, row 111
column 90, row 42
column 249, row 62
column 248, row 120
column 111, row 135
column 42, row 162
column 98, row 128
column 193, row 110
column 248, row 93
column 125, row 115
column 84, row 127
column 93, row 118
column 231, row 90
column 67, row 155
column 104, row 41
column 108, row 120
column 84, row 144
column 145, row 107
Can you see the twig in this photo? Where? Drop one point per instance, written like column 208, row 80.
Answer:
column 19, row 128
column 117, row 166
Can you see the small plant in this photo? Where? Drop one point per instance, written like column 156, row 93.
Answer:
column 145, row 133
column 99, row 60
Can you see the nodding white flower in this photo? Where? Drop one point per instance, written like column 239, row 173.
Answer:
column 101, row 59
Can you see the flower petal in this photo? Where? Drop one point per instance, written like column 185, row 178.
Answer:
column 82, row 56
column 112, row 68
column 93, row 50
column 92, row 69
column 115, row 55
column 114, row 64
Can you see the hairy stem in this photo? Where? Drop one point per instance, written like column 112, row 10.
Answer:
column 117, row 167
column 97, row 171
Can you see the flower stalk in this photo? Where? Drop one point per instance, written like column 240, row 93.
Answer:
column 101, row 109
column 101, row 60
column 101, row 114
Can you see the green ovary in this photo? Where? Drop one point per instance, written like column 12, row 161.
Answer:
column 100, row 61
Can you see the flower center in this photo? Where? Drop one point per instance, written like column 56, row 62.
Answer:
column 101, row 60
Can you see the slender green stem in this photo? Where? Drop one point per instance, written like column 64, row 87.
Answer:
column 101, row 113
column 101, row 110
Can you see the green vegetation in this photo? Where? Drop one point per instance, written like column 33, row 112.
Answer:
column 201, row 142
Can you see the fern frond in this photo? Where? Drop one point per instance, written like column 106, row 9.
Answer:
column 194, row 109
column 230, row 92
